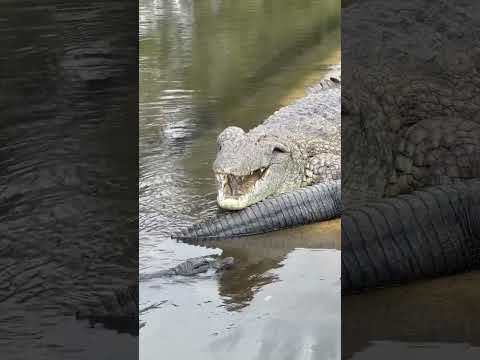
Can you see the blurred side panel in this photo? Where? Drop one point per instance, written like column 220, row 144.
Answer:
column 410, row 179
column 69, row 179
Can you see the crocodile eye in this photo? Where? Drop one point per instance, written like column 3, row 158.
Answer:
column 280, row 149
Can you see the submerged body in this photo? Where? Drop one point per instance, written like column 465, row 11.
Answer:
column 193, row 266
column 297, row 146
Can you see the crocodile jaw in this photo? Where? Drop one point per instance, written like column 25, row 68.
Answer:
column 238, row 192
column 230, row 203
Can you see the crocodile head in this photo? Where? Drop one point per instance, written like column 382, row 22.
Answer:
column 225, row 264
column 249, row 167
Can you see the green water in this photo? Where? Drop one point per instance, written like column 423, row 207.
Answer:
column 205, row 65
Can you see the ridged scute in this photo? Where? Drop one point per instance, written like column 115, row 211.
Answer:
column 432, row 232
column 303, row 206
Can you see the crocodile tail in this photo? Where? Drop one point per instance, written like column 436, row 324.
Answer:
column 428, row 233
column 306, row 205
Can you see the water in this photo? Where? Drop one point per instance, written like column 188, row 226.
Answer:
column 273, row 305
column 435, row 319
column 205, row 65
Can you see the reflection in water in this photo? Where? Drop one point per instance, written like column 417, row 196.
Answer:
column 257, row 255
column 205, row 65
column 281, row 301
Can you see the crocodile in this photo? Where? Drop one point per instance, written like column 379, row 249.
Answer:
column 118, row 309
column 282, row 173
column 410, row 146
column 297, row 146
column 193, row 266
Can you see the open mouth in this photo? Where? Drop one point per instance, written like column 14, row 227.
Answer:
column 233, row 188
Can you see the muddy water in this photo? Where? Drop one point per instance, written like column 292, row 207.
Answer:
column 205, row 65
column 434, row 319
column 280, row 302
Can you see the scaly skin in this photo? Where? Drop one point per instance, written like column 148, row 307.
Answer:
column 297, row 146
column 192, row 267
column 409, row 107
column 306, row 205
